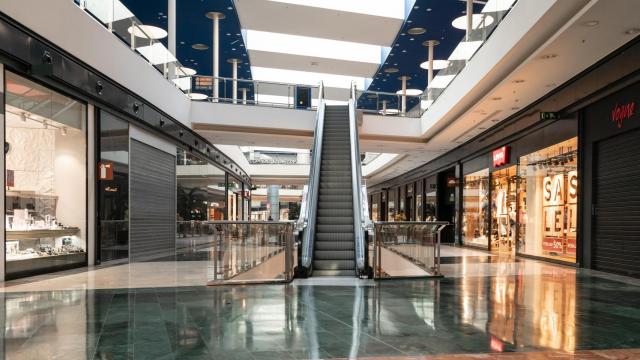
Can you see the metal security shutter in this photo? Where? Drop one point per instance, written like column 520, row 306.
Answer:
column 616, row 237
column 152, row 203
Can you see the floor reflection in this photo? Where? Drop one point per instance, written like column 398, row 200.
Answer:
column 523, row 306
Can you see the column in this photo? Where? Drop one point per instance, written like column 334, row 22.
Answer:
column 171, row 14
column 216, row 17
column 273, row 198
column 469, row 19
column 404, row 80
column 244, row 95
column 234, row 63
column 431, row 44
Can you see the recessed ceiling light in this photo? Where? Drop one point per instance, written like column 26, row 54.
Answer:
column 591, row 23
column 391, row 70
column 551, row 85
column 518, row 81
column 429, row 9
column 496, row 98
column 200, row 47
column 417, row 31
column 515, row 108
column 198, row 96
column 437, row 64
column 411, row 92
column 478, row 21
column 548, row 56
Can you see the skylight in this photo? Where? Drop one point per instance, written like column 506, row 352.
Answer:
column 498, row 5
column 304, row 77
column 310, row 46
column 385, row 8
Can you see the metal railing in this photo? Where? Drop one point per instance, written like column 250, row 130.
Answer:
column 406, row 249
column 356, row 183
column 254, row 92
column 308, row 218
column 389, row 104
column 241, row 252
column 143, row 40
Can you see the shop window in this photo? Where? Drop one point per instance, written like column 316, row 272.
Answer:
column 234, row 199
column 503, row 209
column 548, row 200
column 201, row 189
column 431, row 199
column 46, row 179
column 419, row 199
column 113, row 188
column 475, row 218
column 391, row 203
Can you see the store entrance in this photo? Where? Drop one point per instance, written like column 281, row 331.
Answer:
column 503, row 210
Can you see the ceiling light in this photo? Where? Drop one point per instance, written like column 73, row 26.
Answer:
column 389, row 112
column 515, row 108
column 185, row 71
column 591, row 23
column 498, row 5
column 410, row 92
column 437, row 64
column 391, row 70
column 518, row 81
column 441, row 81
column 200, row 47
column 417, row 31
column 198, row 96
column 465, row 50
column 496, row 98
column 478, row 21
column 147, row 32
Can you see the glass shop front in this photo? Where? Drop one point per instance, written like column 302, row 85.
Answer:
column 524, row 204
column 45, row 179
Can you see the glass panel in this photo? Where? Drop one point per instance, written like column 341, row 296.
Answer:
column 234, row 199
column 419, row 199
column 239, row 252
column 503, row 210
column 391, row 213
column 431, row 198
column 201, row 188
column 113, row 188
column 46, row 178
column 548, row 200
column 475, row 216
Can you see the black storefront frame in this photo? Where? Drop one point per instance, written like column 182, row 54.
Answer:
column 55, row 268
column 541, row 136
column 599, row 123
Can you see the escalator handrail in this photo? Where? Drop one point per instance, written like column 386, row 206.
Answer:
column 356, row 181
column 314, row 180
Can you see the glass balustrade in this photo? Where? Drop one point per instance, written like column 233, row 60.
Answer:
column 239, row 252
column 143, row 39
column 406, row 249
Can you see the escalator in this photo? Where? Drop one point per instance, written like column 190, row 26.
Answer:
column 334, row 218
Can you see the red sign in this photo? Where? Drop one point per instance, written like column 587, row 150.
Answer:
column 105, row 171
column 500, row 156
column 620, row 113
column 552, row 244
column 10, row 180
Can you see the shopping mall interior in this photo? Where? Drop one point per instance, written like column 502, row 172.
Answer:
column 320, row 179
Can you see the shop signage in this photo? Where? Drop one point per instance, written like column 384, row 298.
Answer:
column 105, row 170
column 620, row 113
column 547, row 115
column 500, row 156
column 10, row 180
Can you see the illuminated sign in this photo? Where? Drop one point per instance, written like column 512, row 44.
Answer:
column 620, row 113
column 500, row 156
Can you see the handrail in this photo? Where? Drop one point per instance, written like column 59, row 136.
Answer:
column 356, row 182
column 314, row 181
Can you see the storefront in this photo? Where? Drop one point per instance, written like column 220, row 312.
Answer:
column 45, row 179
column 611, row 167
column 522, row 198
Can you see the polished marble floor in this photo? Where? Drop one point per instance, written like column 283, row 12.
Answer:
column 494, row 309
